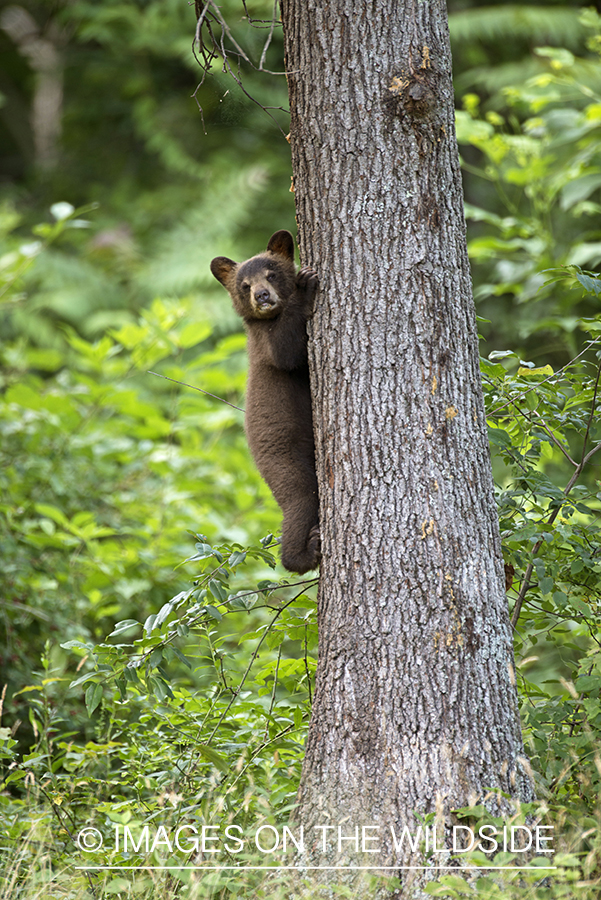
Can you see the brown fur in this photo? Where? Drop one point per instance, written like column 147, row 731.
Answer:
column 275, row 302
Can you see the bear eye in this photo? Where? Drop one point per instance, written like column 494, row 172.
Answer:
column 270, row 276
column 245, row 286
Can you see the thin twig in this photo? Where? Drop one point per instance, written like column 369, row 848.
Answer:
column 552, row 436
column 590, row 418
column 250, row 665
column 256, row 752
column 214, row 39
column 307, row 669
column 543, row 425
column 269, row 36
column 578, row 704
column 64, row 825
column 272, row 701
column 194, row 388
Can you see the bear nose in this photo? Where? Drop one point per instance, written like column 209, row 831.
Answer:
column 262, row 296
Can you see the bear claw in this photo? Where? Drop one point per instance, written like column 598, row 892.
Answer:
column 314, row 542
column 307, row 277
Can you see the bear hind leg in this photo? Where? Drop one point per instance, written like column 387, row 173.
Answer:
column 301, row 541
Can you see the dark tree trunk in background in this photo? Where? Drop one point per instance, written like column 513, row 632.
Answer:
column 43, row 54
column 415, row 705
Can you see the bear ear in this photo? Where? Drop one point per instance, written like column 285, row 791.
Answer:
column 282, row 242
column 221, row 267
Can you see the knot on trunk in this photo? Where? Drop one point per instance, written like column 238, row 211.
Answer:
column 413, row 94
column 414, row 91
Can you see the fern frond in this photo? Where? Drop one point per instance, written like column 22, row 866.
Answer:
column 211, row 227
column 536, row 24
column 492, row 80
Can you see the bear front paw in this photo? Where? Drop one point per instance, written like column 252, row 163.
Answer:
column 307, row 278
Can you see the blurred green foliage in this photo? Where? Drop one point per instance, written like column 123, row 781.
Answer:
column 533, row 200
column 158, row 668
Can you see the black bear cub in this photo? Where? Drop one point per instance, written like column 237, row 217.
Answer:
column 275, row 302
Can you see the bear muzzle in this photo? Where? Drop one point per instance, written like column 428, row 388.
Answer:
column 265, row 302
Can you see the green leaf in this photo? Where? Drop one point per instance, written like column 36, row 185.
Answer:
column 83, row 678
column 213, row 757
column 217, row 589
column 494, row 370
column 155, row 658
column 181, row 657
column 590, row 285
column 541, row 370
column 122, row 686
column 579, row 189
column 203, row 551
column 214, row 613
column 498, row 437
column 160, row 690
column 93, row 696
column 193, row 333
column 125, row 625
column 580, row 605
column 501, row 354
column 52, row 512
column 79, row 645
column 237, row 557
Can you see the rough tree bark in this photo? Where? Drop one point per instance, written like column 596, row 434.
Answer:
column 415, row 705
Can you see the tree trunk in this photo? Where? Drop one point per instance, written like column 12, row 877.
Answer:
column 45, row 60
column 415, row 706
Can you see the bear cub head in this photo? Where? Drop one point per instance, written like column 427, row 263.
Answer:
column 260, row 286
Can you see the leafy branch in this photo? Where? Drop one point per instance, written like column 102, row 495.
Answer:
column 586, row 455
